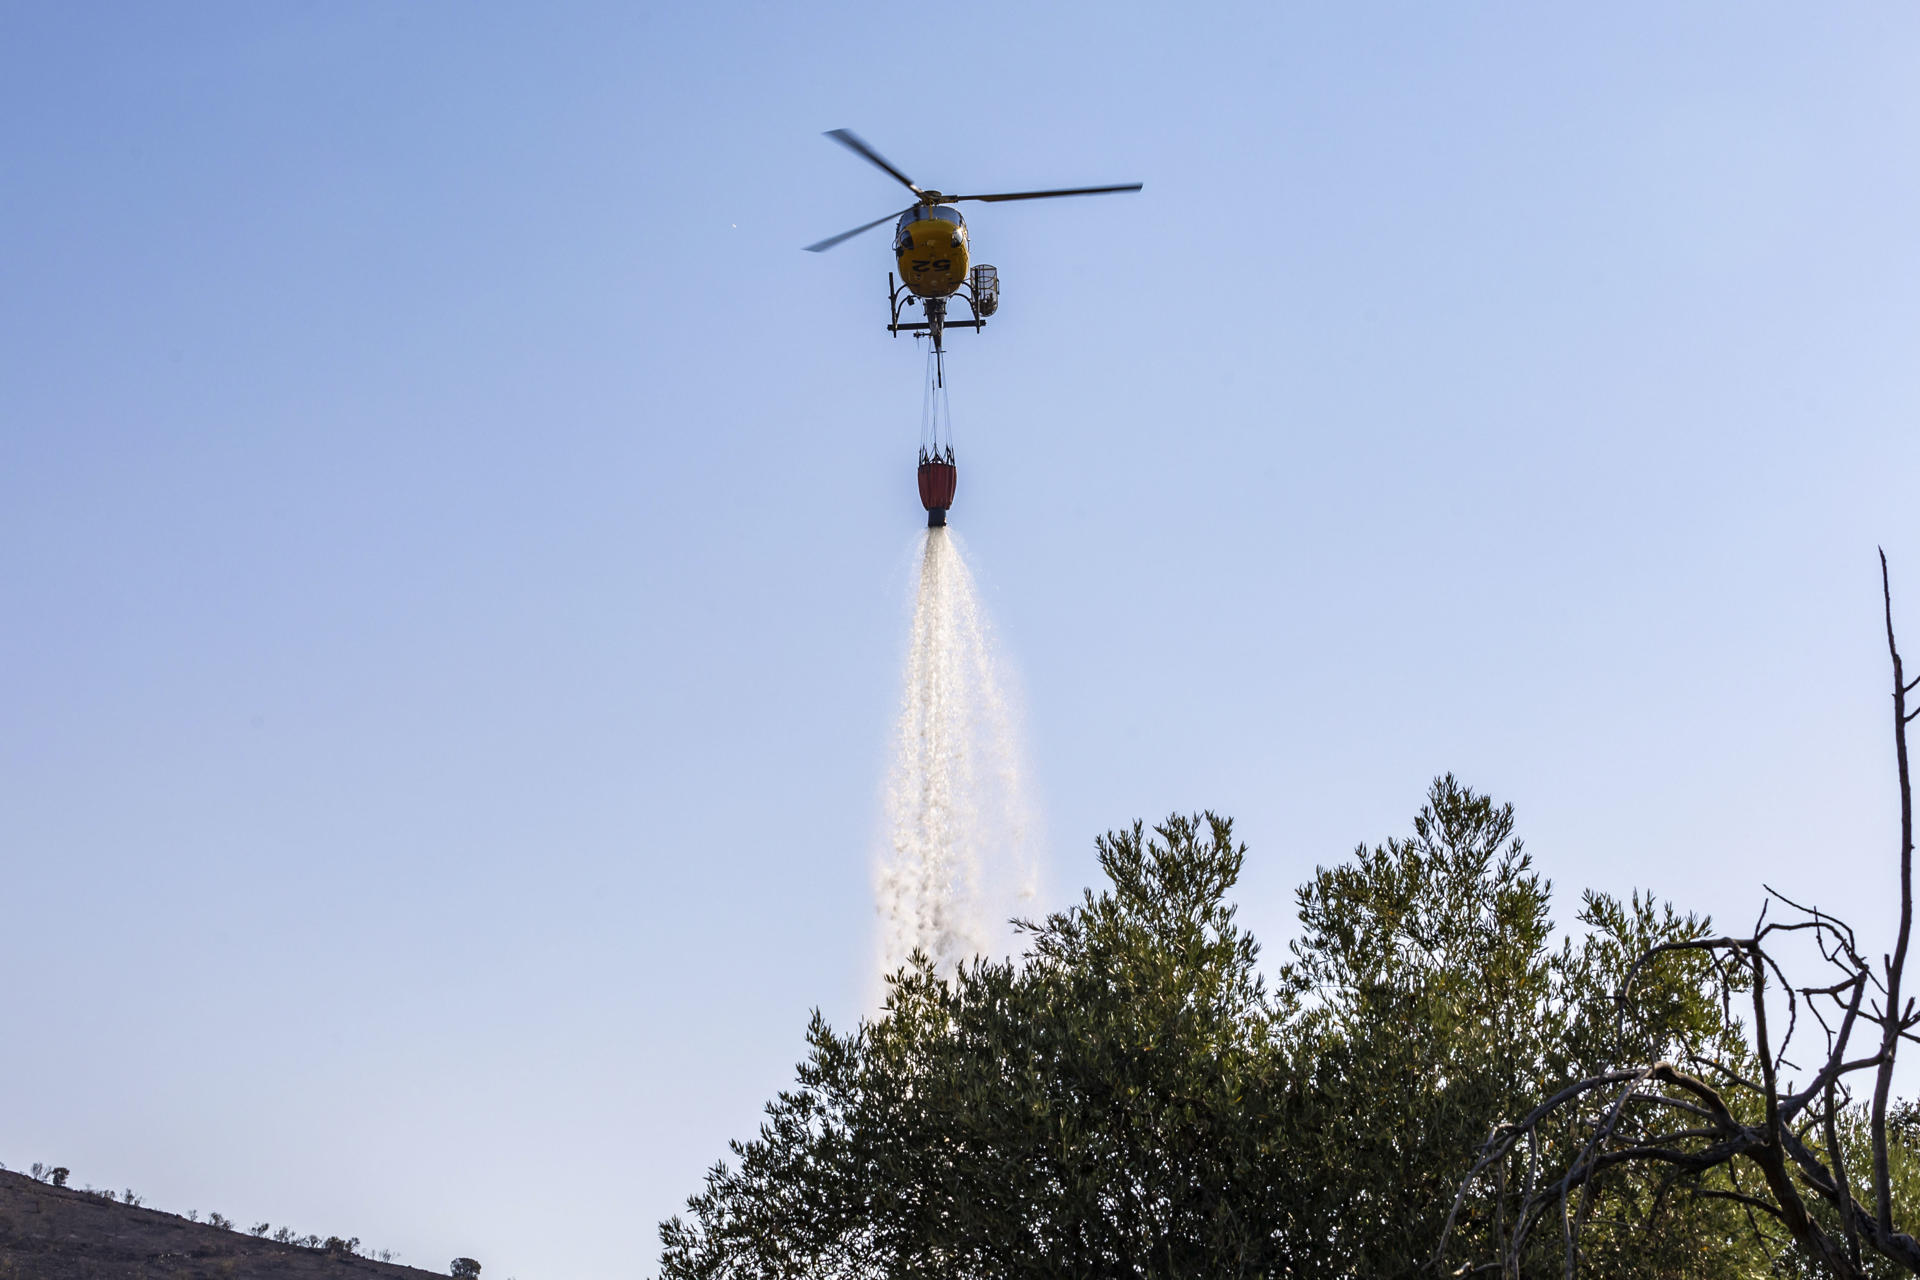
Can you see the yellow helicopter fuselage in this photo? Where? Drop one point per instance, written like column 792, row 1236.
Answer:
column 930, row 245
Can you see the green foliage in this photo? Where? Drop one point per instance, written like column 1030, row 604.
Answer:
column 1429, row 1011
column 1114, row 1106
column 1133, row 1099
column 1434, row 1010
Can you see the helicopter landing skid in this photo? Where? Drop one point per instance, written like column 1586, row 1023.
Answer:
column 899, row 297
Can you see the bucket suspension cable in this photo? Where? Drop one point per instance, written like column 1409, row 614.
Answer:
column 936, row 415
column 937, row 473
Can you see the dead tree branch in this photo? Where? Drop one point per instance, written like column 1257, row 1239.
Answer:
column 1708, row 1115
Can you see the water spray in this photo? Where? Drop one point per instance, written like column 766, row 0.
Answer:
column 958, row 858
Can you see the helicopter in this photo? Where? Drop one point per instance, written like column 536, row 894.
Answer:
column 930, row 248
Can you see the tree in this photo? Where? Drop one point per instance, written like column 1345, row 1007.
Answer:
column 463, row 1269
column 1132, row 1099
column 1113, row 1106
column 1811, row 1167
column 1430, row 1004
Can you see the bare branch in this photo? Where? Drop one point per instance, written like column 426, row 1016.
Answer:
column 1676, row 1103
column 1800, row 1149
column 1840, row 926
column 1838, row 1160
column 1738, row 1197
column 1896, row 968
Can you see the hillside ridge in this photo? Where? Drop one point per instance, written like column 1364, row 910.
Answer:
column 62, row 1233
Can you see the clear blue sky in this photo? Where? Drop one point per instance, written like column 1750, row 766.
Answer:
column 455, row 545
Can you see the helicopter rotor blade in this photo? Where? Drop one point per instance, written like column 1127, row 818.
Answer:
column 1045, row 195
column 831, row 241
column 858, row 145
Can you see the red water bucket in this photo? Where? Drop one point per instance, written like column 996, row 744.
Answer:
column 937, row 480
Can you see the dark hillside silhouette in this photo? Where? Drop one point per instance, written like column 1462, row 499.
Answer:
column 61, row 1233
